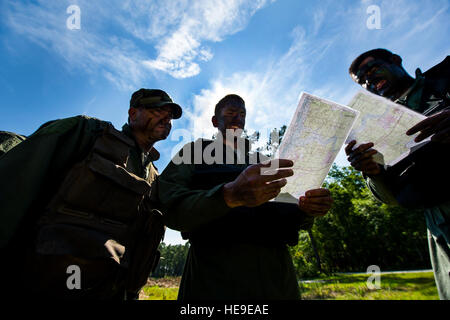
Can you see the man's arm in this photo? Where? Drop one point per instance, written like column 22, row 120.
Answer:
column 376, row 179
column 380, row 187
column 31, row 172
column 187, row 209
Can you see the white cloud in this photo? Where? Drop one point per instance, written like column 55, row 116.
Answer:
column 175, row 31
column 310, row 63
column 200, row 21
column 271, row 95
column 119, row 60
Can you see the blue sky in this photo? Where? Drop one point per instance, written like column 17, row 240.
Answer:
column 199, row 51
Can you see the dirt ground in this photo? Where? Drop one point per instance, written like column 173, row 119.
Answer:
column 168, row 282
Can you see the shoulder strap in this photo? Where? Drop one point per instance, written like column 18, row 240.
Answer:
column 113, row 145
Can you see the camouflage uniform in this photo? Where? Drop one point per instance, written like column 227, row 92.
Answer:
column 238, row 253
column 31, row 175
column 428, row 186
column 9, row 140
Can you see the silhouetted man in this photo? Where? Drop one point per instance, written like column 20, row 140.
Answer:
column 221, row 204
column 420, row 180
column 78, row 213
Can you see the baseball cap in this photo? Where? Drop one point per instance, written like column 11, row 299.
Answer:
column 154, row 98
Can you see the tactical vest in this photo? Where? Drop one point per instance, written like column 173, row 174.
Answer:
column 421, row 178
column 272, row 223
column 101, row 220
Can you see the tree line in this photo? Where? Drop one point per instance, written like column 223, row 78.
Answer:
column 172, row 260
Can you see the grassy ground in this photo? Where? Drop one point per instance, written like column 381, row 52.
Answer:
column 398, row 286
column 160, row 289
column 158, row 293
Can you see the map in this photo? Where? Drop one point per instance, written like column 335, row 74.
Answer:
column 312, row 140
column 384, row 123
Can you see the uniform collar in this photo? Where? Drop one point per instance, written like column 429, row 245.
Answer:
column 152, row 155
column 413, row 94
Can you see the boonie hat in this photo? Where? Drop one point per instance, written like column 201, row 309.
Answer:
column 154, row 98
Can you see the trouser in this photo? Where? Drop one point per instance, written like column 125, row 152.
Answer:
column 58, row 277
column 438, row 223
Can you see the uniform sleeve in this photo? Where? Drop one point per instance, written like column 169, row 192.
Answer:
column 31, row 172
column 9, row 140
column 379, row 187
column 186, row 209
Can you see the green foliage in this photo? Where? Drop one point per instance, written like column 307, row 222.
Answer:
column 303, row 257
column 172, row 260
column 360, row 231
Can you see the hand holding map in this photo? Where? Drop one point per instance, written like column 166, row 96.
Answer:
column 362, row 158
column 313, row 139
column 384, row 123
column 437, row 127
column 319, row 128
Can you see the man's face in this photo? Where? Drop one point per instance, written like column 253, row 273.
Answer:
column 230, row 117
column 155, row 123
column 380, row 76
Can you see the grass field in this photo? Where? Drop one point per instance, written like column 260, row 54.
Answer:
column 160, row 289
column 397, row 286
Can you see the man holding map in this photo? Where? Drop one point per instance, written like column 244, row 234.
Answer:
column 217, row 194
column 419, row 180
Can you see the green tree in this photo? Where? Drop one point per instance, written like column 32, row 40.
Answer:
column 360, row 231
column 172, row 260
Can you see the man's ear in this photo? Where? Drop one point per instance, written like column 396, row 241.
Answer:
column 396, row 59
column 215, row 122
column 132, row 114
